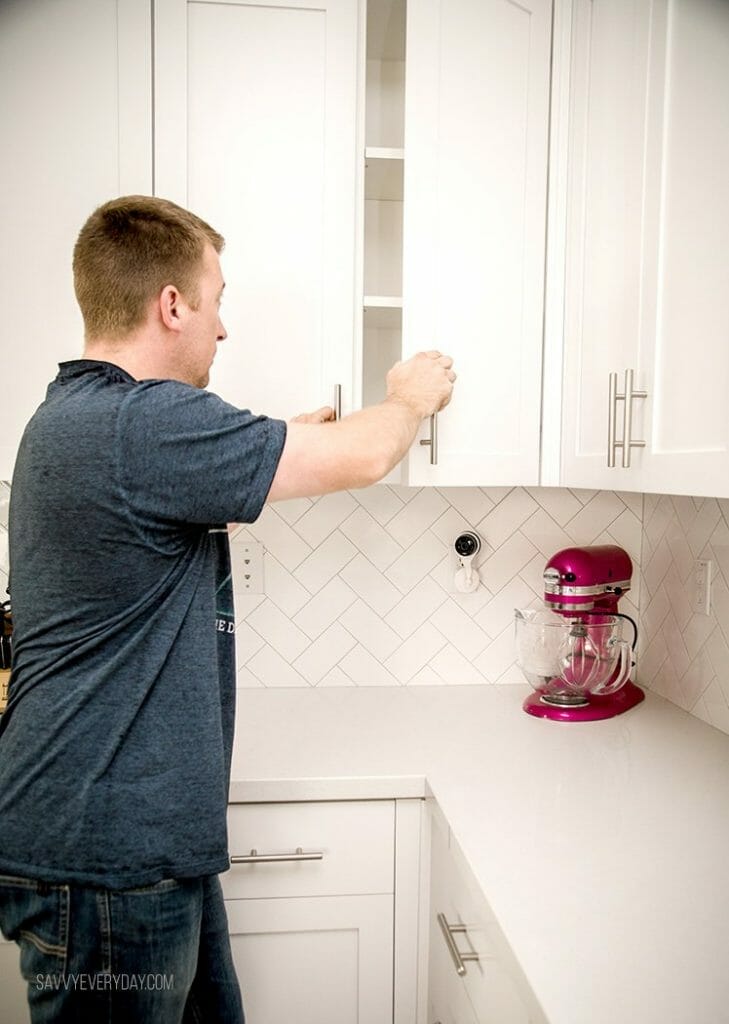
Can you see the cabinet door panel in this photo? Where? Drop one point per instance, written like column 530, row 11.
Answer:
column 477, row 91
column 75, row 77
column 686, row 274
column 314, row 961
column 255, row 131
column 605, row 231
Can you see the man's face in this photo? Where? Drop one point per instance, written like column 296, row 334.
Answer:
column 204, row 328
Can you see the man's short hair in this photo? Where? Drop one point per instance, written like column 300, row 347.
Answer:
column 127, row 252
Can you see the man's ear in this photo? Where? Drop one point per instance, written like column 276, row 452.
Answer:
column 171, row 307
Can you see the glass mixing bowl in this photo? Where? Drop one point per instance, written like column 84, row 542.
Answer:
column 569, row 659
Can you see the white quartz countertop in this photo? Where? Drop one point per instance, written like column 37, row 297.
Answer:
column 602, row 848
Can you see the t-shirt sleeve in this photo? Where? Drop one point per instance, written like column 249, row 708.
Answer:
column 187, row 456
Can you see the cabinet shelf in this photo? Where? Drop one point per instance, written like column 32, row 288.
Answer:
column 383, row 311
column 384, row 173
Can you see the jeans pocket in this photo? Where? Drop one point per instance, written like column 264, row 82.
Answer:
column 35, row 915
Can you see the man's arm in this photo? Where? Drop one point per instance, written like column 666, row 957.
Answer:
column 320, row 457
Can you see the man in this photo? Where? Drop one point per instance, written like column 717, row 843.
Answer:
column 116, row 744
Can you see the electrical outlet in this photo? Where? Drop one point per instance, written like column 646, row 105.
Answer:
column 250, row 555
column 702, row 586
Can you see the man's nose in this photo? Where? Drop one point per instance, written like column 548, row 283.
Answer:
column 222, row 333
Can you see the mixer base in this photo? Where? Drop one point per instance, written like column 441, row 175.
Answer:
column 594, row 710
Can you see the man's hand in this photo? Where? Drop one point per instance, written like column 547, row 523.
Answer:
column 424, row 382
column 323, row 415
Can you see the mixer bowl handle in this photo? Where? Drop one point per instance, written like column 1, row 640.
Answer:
column 622, row 672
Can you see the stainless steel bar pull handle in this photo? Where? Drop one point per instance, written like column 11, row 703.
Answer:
column 628, row 441
column 449, row 930
column 626, row 398
column 612, row 418
column 254, row 857
column 433, row 439
column 337, row 401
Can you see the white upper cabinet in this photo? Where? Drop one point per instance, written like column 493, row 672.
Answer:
column 646, row 286
column 75, row 123
column 474, row 228
column 255, row 131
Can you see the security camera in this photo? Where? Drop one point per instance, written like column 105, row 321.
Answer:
column 467, row 545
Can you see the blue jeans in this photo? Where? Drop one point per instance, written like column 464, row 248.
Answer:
column 159, row 954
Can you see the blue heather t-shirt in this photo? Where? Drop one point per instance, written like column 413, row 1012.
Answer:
column 115, row 747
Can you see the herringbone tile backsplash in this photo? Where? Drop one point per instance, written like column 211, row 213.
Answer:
column 359, row 586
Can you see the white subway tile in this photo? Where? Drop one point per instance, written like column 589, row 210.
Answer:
column 626, row 531
column 696, row 678
column 325, row 607
column 245, row 680
column 247, row 643
column 245, row 604
column 703, row 526
column 335, row 677
column 559, row 503
column 416, row 562
column 282, row 588
column 417, row 516
column 454, row 667
column 654, row 613
column 369, row 584
column 415, row 653
column 471, row 503
column 325, row 516
column 426, row 677
column 596, row 516
column 283, row 543
column 268, row 666
column 371, row 539
column 507, row 517
column 380, row 501
column 370, row 630
column 498, row 614
column 460, row 629
column 546, row 535
column 497, row 657
column 293, row 509
column 323, row 654
column 507, row 561
column 278, row 630
column 717, row 708
column 365, row 670
column 416, row 607
column 329, row 558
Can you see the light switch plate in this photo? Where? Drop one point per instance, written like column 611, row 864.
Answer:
column 250, row 554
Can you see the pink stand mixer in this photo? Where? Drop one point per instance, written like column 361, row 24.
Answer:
column 572, row 649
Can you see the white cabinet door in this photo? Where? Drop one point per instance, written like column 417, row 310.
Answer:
column 686, row 272
column 462, row 927
column 255, row 131
column 646, row 270
column 75, row 123
column 13, row 988
column 314, row 960
column 476, row 155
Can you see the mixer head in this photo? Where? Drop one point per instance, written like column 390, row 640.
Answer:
column 587, row 579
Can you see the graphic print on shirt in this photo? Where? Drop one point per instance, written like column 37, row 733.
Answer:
column 224, row 610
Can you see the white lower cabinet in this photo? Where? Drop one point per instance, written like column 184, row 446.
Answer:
column 13, row 989
column 320, row 960
column 318, row 932
column 473, row 977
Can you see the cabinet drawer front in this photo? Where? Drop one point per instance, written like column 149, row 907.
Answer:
column 356, row 840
